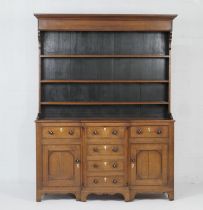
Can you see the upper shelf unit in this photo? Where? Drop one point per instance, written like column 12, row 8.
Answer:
column 104, row 65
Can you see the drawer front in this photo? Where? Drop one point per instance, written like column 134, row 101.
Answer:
column 105, row 132
column 149, row 131
column 105, row 181
column 105, row 150
column 61, row 132
column 105, row 165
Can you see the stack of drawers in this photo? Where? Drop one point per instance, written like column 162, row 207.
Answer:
column 106, row 156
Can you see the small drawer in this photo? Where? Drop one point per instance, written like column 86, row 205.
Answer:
column 61, row 132
column 149, row 131
column 104, row 181
column 105, row 165
column 105, row 150
column 105, row 132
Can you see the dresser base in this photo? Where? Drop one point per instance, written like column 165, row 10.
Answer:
column 105, row 157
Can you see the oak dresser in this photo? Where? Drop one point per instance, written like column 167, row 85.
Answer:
column 104, row 124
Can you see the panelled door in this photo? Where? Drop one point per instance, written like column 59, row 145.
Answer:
column 149, row 164
column 61, row 165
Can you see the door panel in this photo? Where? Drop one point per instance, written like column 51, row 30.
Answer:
column 61, row 165
column 149, row 164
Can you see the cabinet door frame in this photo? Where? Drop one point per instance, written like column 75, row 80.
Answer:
column 162, row 149
column 74, row 150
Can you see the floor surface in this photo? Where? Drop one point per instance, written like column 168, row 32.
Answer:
column 22, row 197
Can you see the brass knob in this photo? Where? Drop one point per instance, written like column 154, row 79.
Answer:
column 95, row 166
column 115, row 149
column 95, row 181
column 133, row 160
column 115, row 165
column 71, row 132
column 95, row 149
column 114, row 181
column 50, row 132
column 95, row 132
column 139, row 131
column 77, row 161
column 115, row 132
column 159, row 131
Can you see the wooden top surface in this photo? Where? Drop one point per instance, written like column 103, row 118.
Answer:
column 108, row 16
column 104, row 120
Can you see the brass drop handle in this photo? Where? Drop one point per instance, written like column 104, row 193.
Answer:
column 71, row 132
column 139, row 131
column 115, row 149
column 159, row 131
column 95, row 181
column 50, row 132
column 95, row 149
column 95, row 166
column 77, row 161
column 115, row 132
column 114, row 181
column 115, row 165
column 95, row 132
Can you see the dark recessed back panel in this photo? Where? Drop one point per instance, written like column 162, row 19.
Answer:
column 104, row 92
column 105, row 68
column 144, row 45
column 104, row 43
column 106, row 111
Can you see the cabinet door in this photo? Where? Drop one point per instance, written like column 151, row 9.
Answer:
column 61, row 165
column 149, row 164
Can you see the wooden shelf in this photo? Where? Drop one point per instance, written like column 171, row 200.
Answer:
column 106, row 56
column 102, row 103
column 104, row 81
